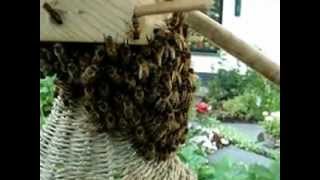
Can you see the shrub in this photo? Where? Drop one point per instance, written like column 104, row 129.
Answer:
column 271, row 124
column 46, row 97
column 243, row 97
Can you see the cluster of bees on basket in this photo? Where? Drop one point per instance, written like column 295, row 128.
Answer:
column 144, row 92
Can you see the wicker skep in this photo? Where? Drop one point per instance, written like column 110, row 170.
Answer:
column 69, row 150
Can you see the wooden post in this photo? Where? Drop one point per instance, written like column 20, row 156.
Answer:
column 233, row 45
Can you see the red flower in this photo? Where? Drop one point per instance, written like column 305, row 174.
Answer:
column 202, row 107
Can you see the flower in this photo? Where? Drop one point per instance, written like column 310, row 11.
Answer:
column 202, row 107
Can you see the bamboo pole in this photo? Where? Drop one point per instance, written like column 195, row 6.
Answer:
column 171, row 6
column 233, row 45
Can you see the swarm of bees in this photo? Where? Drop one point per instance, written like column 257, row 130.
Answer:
column 142, row 92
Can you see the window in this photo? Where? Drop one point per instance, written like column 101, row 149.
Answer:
column 197, row 42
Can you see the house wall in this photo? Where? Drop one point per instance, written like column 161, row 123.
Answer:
column 258, row 24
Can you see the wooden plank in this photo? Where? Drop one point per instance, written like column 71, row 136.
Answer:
column 88, row 20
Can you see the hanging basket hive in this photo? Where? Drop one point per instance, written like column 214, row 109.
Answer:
column 69, row 151
column 121, row 110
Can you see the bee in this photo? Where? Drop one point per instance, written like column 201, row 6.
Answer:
column 73, row 72
column 53, row 13
column 166, row 79
column 163, row 104
column 139, row 95
column 125, row 53
column 102, row 106
column 84, row 61
column 89, row 76
column 59, row 52
column 104, row 90
column 122, row 123
column 150, row 151
column 111, row 48
column 110, row 121
column 140, row 135
column 175, row 98
column 113, row 75
column 144, row 71
column 136, row 28
column 98, row 55
column 128, row 109
column 185, row 28
column 88, row 93
column 130, row 81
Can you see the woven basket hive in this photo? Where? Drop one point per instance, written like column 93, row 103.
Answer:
column 69, row 150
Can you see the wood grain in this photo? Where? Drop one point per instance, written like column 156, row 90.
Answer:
column 88, row 20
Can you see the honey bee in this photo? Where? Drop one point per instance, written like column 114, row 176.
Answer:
column 59, row 52
column 84, row 61
column 163, row 104
column 130, row 81
column 143, row 71
column 88, row 93
column 114, row 75
column 102, row 106
column 98, row 55
column 185, row 31
column 89, row 76
column 73, row 72
column 139, row 95
column 136, row 28
column 110, row 121
column 140, row 135
column 150, row 151
column 104, row 90
column 166, row 79
column 53, row 13
column 125, row 53
column 128, row 109
column 111, row 48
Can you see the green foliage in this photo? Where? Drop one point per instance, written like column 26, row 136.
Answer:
column 272, row 125
column 46, row 97
column 243, row 97
column 225, row 85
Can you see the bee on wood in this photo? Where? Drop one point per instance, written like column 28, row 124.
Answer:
column 53, row 13
column 136, row 28
column 89, row 76
column 111, row 48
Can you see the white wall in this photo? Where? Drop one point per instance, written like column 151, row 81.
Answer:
column 258, row 24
